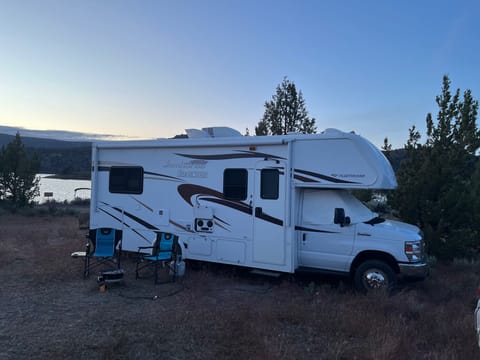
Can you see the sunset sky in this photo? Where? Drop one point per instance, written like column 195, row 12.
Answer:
column 151, row 69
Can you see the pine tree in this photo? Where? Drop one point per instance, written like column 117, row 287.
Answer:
column 18, row 180
column 387, row 147
column 405, row 198
column 437, row 178
column 285, row 113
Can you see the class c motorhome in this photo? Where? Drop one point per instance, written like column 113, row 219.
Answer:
column 280, row 203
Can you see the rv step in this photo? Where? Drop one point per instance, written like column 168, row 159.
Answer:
column 265, row 273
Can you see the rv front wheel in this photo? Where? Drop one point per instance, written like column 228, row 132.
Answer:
column 374, row 275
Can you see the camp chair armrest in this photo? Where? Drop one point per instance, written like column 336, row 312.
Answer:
column 140, row 253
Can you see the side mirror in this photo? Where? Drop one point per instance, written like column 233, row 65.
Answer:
column 340, row 218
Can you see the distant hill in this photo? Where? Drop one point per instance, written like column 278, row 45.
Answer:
column 66, row 158
column 61, row 152
column 73, row 162
column 396, row 157
column 34, row 142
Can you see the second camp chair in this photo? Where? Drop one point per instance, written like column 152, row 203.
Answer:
column 163, row 255
column 103, row 249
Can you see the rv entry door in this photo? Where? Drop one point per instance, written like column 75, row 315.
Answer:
column 269, row 212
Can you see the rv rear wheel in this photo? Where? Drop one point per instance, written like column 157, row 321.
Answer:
column 374, row 275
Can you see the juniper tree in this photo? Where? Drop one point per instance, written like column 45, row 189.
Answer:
column 436, row 179
column 18, row 180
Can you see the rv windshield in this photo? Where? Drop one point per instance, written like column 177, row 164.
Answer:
column 319, row 205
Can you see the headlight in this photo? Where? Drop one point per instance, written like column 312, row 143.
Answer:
column 414, row 250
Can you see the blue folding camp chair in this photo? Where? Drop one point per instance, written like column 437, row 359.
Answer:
column 104, row 248
column 163, row 255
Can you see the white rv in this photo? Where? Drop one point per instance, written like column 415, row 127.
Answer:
column 279, row 203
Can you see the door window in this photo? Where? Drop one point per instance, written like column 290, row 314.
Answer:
column 269, row 180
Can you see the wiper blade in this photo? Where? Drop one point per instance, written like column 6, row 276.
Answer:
column 375, row 220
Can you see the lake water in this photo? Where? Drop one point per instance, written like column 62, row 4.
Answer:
column 62, row 189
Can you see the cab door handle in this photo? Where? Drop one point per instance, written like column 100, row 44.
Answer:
column 304, row 237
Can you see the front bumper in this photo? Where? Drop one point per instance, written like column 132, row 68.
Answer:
column 477, row 321
column 414, row 270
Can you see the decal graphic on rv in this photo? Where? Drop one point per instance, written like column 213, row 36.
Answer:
column 241, row 154
column 320, row 176
column 121, row 223
column 252, row 154
column 199, row 193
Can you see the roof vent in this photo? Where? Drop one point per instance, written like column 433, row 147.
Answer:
column 331, row 131
column 212, row 132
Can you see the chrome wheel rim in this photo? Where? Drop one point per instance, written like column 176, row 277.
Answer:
column 375, row 279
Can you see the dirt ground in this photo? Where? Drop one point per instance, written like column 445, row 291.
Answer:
column 47, row 310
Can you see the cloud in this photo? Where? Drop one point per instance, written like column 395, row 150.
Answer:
column 62, row 134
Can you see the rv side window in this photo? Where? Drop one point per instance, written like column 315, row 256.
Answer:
column 126, row 180
column 269, row 184
column 235, row 184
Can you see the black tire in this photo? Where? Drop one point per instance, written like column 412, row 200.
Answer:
column 374, row 276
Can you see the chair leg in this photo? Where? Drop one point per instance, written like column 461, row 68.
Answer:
column 86, row 262
column 155, row 267
column 136, row 268
column 172, row 269
column 86, row 266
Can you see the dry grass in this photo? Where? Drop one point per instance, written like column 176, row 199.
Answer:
column 48, row 311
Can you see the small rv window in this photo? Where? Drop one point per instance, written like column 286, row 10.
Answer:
column 235, row 184
column 269, row 184
column 126, row 180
